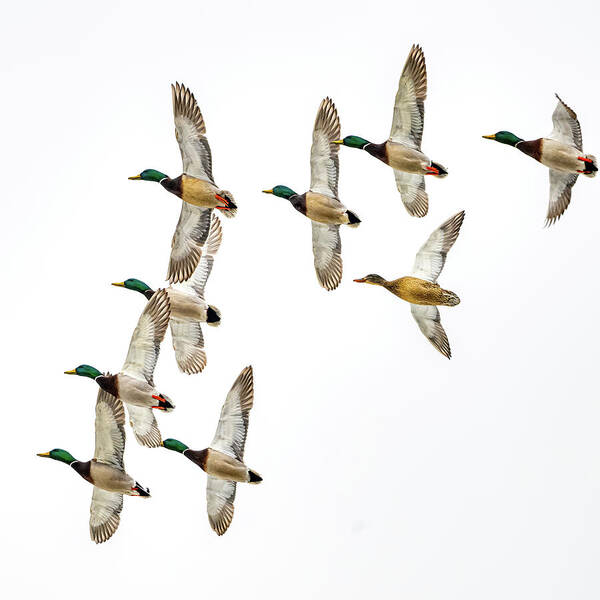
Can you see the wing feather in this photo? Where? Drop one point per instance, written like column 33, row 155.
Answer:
column 409, row 106
column 566, row 126
column 412, row 191
column 147, row 337
column 428, row 320
column 327, row 251
column 110, row 430
column 220, row 495
column 230, row 436
column 561, row 184
column 105, row 514
column 144, row 425
column 188, row 343
column 324, row 160
column 431, row 258
column 190, row 132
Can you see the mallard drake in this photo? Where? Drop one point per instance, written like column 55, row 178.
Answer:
column 321, row 204
column 134, row 385
column 223, row 461
column 402, row 151
column 105, row 471
column 188, row 307
column 421, row 289
column 561, row 152
column 196, row 187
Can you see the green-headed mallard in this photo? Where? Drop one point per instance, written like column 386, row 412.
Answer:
column 105, row 471
column 134, row 385
column 561, row 152
column 421, row 289
column 223, row 461
column 321, row 204
column 402, row 151
column 188, row 307
column 196, row 187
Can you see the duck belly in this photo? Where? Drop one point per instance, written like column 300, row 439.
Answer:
column 324, row 209
column 419, row 291
column 561, row 157
column 199, row 192
column 135, row 391
column 406, row 159
column 187, row 306
column 110, row 479
column 223, row 466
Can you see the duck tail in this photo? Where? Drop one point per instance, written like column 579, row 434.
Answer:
column 254, row 477
column 164, row 403
column 213, row 316
column 353, row 220
column 591, row 165
column 229, row 208
column 442, row 171
column 450, row 298
column 140, row 490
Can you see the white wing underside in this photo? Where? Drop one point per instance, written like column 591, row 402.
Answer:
column 567, row 129
column 105, row 514
column 428, row 320
column 409, row 105
column 144, row 425
column 327, row 251
column 188, row 343
column 147, row 337
column 230, row 437
column 412, row 191
column 220, row 495
column 561, row 184
column 324, row 161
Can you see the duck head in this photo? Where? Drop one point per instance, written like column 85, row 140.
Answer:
column 504, row 137
column 137, row 286
column 84, row 371
column 150, row 175
column 373, row 279
column 282, row 191
column 353, row 141
column 175, row 445
column 60, row 455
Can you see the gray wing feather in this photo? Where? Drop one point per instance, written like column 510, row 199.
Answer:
column 324, row 160
column 561, row 184
column 144, row 425
column 110, row 430
column 190, row 132
column 145, row 342
column 412, row 191
column 188, row 343
column 409, row 105
column 428, row 320
column 431, row 258
column 230, row 436
column 327, row 251
column 566, row 126
column 220, row 495
column 105, row 514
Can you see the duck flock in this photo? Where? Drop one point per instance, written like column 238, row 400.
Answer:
column 197, row 238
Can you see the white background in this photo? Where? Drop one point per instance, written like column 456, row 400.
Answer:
column 389, row 472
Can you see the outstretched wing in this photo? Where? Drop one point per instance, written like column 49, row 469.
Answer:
column 409, row 106
column 412, row 191
column 145, row 341
column 188, row 343
column 327, row 251
column 197, row 282
column 110, row 430
column 144, row 425
column 561, row 184
column 431, row 257
column 324, row 160
column 230, row 436
column 566, row 126
column 105, row 514
column 220, row 495
column 190, row 235
column 428, row 320
column 190, row 133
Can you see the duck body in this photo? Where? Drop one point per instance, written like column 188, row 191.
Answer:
column 195, row 191
column 221, row 465
column 402, row 157
column 132, row 390
column 553, row 154
column 106, row 477
column 186, row 306
column 419, row 291
column 323, row 209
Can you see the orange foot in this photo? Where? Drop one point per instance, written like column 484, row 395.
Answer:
column 432, row 171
